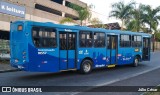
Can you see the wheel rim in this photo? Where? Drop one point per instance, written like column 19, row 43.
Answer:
column 136, row 61
column 87, row 67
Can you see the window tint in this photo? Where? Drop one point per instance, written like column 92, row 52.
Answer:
column 99, row 39
column 136, row 41
column 125, row 40
column 71, row 42
column 63, row 41
column 146, row 43
column 111, row 42
column 85, row 39
column 44, row 37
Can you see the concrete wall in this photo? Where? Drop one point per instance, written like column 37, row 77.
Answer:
column 36, row 14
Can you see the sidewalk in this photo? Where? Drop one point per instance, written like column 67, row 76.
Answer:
column 6, row 67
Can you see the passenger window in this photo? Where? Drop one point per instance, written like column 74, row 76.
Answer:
column 44, row 37
column 125, row 40
column 85, row 39
column 99, row 39
column 63, row 41
column 136, row 41
column 71, row 42
column 109, row 42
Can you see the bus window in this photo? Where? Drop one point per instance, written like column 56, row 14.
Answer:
column 99, row 39
column 71, row 42
column 146, row 43
column 85, row 39
column 108, row 42
column 125, row 40
column 111, row 42
column 44, row 37
column 136, row 41
column 63, row 41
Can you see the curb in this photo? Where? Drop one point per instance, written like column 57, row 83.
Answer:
column 9, row 70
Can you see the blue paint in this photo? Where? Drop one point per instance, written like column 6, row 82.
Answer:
column 55, row 60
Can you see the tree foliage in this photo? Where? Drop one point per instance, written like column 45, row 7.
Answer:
column 122, row 11
column 157, row 36
column 83, row 12
column 136, row 22
column 97, row 23
column 67, row 20
column 151, row 17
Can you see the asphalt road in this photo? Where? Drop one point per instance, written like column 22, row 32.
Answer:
column 119, row 76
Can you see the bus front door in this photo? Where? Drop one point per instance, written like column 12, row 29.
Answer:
column 67, row 43
column 112, row 49
column 146, row 49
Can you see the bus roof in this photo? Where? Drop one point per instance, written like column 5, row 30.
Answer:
column 75, row 27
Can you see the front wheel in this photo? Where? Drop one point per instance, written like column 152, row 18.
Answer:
column 86, row 67
column 136, row 61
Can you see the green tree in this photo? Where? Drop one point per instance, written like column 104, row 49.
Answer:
column 151, row 17
column 136, row 22
column 95, row 22
column 83, row 13
column 157, row 36
column 67, row 20
column 122, row 11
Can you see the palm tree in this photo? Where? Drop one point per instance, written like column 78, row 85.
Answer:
column 67, row 20
column 136, row 22
column 122, row 11
column 83, row 13
column 151, row 18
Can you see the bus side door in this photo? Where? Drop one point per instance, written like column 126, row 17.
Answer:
column 146, row 49
column 112, row 49
column 67, row 52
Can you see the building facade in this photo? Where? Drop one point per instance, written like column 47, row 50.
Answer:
column 35, row 10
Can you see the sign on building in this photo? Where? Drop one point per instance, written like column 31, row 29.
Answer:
column 12, row 9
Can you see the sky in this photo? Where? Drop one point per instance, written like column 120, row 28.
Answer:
column 103, row 7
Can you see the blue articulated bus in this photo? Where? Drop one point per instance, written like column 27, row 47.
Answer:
column 49, row 47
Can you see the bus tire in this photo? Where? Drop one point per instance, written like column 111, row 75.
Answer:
column 86, row 67
column 136, row 61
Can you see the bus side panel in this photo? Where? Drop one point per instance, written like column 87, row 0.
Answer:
column 83, row 53
column 71, row 60
column 97, row 55
column 125, row 56
column 137, row 51
column 42, row 60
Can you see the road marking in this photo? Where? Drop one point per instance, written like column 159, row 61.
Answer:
column 116, row 80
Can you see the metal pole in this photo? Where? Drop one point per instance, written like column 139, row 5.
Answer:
column 153, row 40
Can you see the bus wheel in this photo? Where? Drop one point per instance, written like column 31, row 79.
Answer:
column 86, row 67
column 136, row 61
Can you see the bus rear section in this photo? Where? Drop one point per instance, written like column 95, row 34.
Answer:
column 18, row 45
